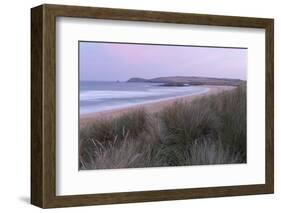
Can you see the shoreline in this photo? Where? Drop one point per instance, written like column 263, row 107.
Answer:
column 153, row 106
column 147, row 102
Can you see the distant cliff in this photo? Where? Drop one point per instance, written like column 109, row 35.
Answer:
column 138, row 80
column 190, row 80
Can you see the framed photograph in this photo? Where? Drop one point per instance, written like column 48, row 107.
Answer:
column 136, row 106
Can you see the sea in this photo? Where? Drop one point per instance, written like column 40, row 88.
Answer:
column 98, row 96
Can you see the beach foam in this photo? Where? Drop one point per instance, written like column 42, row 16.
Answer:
column 114, row 95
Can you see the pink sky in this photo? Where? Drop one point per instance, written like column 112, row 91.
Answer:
column 120, row 61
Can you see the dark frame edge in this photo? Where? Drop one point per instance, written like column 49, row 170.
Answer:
column 157, row 196
column 37, row 190
column 156, row 16
column 43, row 108
column 269, row 37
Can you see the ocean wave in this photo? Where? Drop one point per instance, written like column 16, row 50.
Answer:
column 107, row 100
column 89, row 95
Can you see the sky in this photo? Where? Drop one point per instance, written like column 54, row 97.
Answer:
column 121, row 61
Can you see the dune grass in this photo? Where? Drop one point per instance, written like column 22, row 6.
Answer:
column 208, row 130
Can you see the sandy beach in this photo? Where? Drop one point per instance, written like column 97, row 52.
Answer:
column 151, row 107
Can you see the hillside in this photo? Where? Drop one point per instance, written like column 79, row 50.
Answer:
column 191, row 80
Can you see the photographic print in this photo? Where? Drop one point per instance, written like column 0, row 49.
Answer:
column 134, row 95
column 155, row 105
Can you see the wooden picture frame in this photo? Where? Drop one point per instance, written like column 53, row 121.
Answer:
column 43, row 105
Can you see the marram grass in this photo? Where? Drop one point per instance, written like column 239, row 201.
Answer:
column 208, row 130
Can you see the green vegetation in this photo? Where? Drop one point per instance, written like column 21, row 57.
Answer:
column 191, row 80
column 209, row 130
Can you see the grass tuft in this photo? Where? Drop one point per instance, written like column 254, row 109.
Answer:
column 209, row 130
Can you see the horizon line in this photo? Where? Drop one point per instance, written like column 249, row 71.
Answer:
column 167, row 77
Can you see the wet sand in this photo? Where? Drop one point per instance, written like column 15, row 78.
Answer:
column 150, row 107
